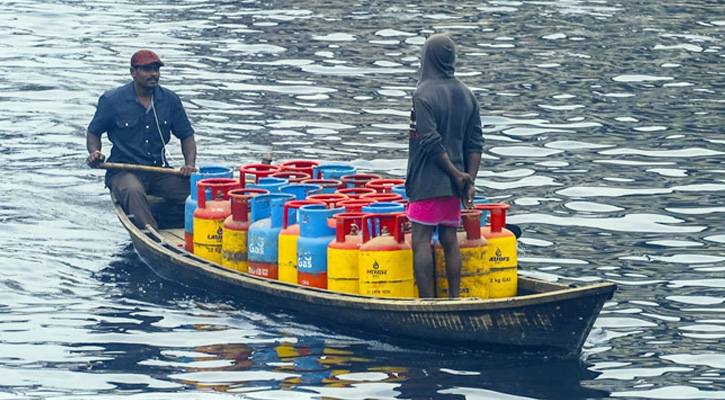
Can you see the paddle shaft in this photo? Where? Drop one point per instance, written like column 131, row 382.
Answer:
column 137, row 167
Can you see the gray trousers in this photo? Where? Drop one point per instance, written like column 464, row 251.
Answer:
column 131, row 189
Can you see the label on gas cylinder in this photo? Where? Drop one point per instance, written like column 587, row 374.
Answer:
column 502, row 260
column 208, row 231
column 377, row 266
column 501, row 252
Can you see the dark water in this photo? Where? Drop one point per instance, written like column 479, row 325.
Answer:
column 604, row 124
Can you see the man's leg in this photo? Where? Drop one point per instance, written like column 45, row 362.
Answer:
column 174, row 189
column 128, row 189
column 168, row 186
column 423, row 259
column 449, row 240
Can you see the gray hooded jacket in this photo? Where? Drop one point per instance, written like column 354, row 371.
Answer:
column 445, row 118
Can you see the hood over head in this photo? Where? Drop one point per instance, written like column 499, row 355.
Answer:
column 439, row 58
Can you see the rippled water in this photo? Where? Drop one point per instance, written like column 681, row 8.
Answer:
column 604, row 124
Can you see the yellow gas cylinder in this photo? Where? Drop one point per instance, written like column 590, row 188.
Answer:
column 343, row 253
column 474, row 271
column 287, row 247
column 236, row 228
column 385, row 261
column 501, row 253
column 209, row 216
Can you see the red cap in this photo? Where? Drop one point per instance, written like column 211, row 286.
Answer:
column 145, row 57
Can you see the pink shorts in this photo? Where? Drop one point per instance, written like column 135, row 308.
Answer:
column 436, row 211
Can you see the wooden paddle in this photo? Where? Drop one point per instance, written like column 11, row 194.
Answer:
column 137, row 167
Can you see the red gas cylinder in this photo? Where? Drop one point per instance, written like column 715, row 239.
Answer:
column 257, row 170
column 358, row 180
column 501, row 253
column 328, row 185
column 382, row 196
column 342, row 253
column 287, row 253
column 306, row 166
column 330, row 199
column 385, row 261
column 384, row 185
column 235, row 228
column 291, row 176
column 354, row 205
column 355, row 192
column 209, row 216
column 475, row 278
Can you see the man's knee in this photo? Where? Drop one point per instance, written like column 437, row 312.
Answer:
column 126, row 184
column 448, row 237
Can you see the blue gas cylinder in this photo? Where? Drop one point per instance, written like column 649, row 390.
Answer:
column 211, row 171
column 301, row 190
column 315, row 234
column 267, row 217
column 383, row 207
column 333, row 171
column 399, row 189
column 269, row 183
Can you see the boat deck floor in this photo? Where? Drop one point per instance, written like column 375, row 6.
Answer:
column 174, row 237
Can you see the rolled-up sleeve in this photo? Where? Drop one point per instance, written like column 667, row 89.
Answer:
column 100, row 122
column 181, row 126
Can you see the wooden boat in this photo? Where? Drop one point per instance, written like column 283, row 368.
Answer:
column 544, row 317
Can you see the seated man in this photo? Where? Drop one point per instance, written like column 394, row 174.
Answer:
column 139, row 118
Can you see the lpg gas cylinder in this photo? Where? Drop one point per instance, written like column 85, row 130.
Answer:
column 301, row 190
column 306, row 166
column 333, row 171
column 287, row 254
column 292, row 176
column 211, row 171
column 475, row 276
column 315, row 234
column 209, row 216
column 355, row 205
column 382, row 196
column 357, row 180
column 236, row 228
column 263, row 236
column 400, row 189
column 257, row 171
column 383, row 207
column 385, row 261
column 384, row 185
column 501, row 253
column 355, row 192
column 343, row 253
column 328, row 185
column 269, row 183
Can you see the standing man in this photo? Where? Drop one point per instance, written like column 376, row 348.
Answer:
column 445, row 145
column 139, row 118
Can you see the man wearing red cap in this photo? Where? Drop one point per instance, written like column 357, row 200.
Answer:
column 139, row 118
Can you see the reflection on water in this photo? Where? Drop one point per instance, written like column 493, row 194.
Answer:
column 603, row 123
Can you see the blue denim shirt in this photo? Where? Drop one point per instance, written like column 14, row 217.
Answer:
column 132, row 128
